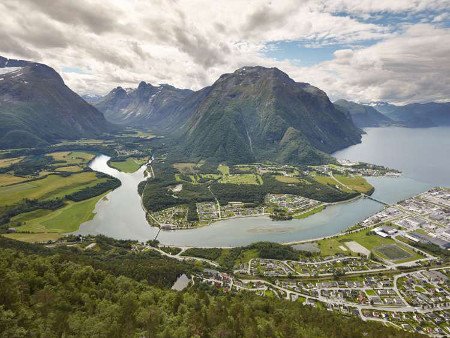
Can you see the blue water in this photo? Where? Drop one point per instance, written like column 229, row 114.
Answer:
column 423, row 155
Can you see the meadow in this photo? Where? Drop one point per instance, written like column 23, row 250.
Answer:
column 49, row 187
column 62, row 220
column 130, row 165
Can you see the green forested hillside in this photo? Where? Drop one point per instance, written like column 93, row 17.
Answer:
column 45, row 295
column 260, row 114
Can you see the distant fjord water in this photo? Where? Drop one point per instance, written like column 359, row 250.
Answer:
column 423, row 156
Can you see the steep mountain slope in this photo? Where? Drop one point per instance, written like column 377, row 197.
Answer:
column 37, row 108
column 363, row 116
column 146, row 106
column 418, row 115
column 258, row 113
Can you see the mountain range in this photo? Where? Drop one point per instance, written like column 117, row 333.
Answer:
column 417, row 115
column 37, row 108
column 253, row 114
column 363, row 116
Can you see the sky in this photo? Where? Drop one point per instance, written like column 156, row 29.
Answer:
column 362, row 50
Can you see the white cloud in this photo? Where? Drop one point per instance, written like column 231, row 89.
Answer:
column 410, row 67
column 191, row 43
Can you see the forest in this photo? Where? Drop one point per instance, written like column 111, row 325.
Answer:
column 48, row 294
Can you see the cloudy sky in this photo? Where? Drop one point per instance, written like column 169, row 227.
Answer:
column 363, row 50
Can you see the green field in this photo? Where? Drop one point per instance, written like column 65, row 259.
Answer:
column 33, row 238
column 65, row 219
column 372, row 242
column 242, row 179
column 287, row 179
column 130, row 165
column 356, row 183
column 6, row 162
column 392, row 252
column 6, row 179
column 327, row 180
column 52, row 186
column 72, row 157
column 309, row 212
column 224, row 169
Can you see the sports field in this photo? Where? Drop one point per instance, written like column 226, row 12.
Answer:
column 392, row 252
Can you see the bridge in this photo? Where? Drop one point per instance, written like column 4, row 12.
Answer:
column 376, row 200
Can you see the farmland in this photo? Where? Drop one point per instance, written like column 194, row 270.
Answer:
column 130, row 165
column 62, row 220
column 52, row 186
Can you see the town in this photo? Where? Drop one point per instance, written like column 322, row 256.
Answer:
column 392, row 267
column 298, row 192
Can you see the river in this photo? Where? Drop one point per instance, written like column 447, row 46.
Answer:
column 422, row 155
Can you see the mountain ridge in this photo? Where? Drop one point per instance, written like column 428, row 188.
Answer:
column 37, row 108
column 363, row 116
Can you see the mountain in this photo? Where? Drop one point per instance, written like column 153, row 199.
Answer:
column 91, row 98
column 260, row 114
column 37, row 108
column 363, row 116
column 157, row 107
column 417, row 115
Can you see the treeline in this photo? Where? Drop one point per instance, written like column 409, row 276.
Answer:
column 28, row 205
column 115, row 257
column 157, row 196
column 96, row 190
column 227, row 257
column 30, row 165
column 49, row 296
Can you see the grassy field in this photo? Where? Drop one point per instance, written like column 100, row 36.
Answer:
column 242, row 179
column 392, row 252
column 6, row 162
column 224, row 169
column 6, row 179
column 129, row 166
column 287, row 179
column 330, row 246
column 70, row 168
column 66, row 219
column 330, row 181
column 186, row 167
column 356, row 183
column 52, row 186
column 72, row 157
column 33, row 238
column 309, row 212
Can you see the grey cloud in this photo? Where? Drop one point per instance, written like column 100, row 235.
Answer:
column 99, row 17
column 14, row 47
column 201, row 50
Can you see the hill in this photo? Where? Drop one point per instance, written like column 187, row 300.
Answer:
column 148, row 106
column 363, row 116
column 418, row 115
column 37, row 108
column 111, row 292
column 261, row 114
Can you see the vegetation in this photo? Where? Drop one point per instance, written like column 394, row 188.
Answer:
column 310, row 212
column 203, row 187
column 83, row 294
column 127, row 165
column 62, row 220
column 96, row 190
